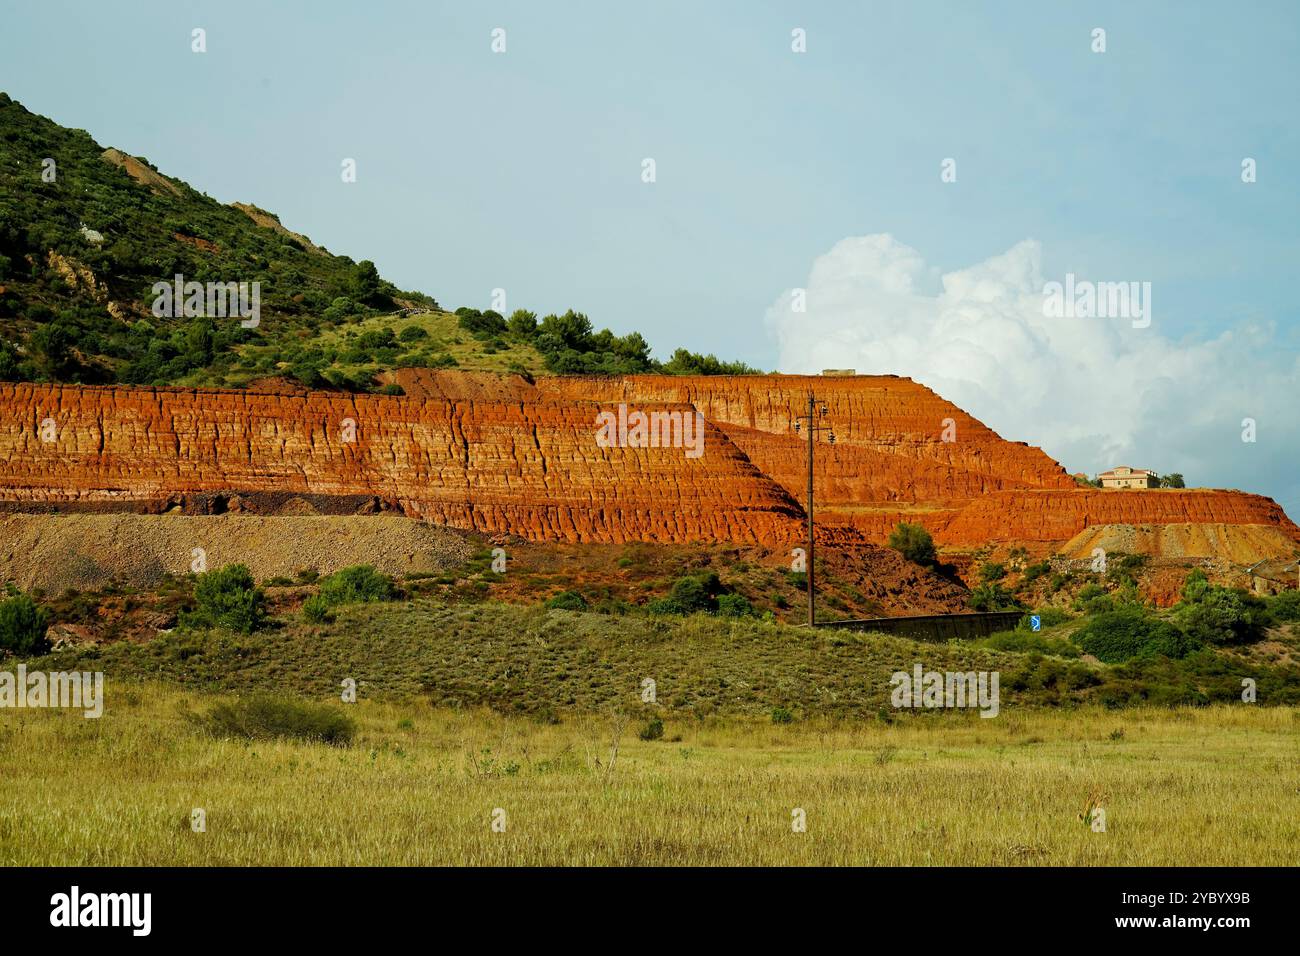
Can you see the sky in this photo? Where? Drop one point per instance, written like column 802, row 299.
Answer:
column 800, row 216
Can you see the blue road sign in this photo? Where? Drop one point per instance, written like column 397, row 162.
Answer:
column 1035, row 622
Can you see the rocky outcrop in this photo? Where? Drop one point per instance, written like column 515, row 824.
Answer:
column 502, row 454
column 140, row 172
column 533, row 469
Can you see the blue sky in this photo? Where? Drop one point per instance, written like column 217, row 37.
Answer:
column 522, row 170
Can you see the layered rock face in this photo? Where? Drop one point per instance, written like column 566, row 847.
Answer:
column 533, row 469
column 902, row 453
column 501, row 454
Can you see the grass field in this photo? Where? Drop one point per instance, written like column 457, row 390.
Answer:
column 467, row 709
column 419, row 785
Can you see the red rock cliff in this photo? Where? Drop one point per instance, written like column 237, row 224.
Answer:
column 500, row 454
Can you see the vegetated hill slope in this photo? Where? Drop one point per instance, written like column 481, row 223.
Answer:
column 528, row 660
column 85, row 233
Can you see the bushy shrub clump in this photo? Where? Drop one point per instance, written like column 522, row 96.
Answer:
column 568, row 601
column 690, row 594
column 266, row 717
column 913, row 542
column 357, row 584
column 1129, row 632
column 1218, row 615
column 1285, row 606
column 22, row 626
column 227, row 598
column 992, row 596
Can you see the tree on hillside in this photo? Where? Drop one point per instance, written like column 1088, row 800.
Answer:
column 365, row 282
column 523, row 323
column 1173, row 480
column 913, row 542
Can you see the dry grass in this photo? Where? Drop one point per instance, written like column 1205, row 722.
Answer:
column 1210, row 786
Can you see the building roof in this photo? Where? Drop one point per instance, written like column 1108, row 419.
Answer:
column 1130, row 473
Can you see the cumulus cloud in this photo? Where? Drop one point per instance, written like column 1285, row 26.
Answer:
column 1092, row 392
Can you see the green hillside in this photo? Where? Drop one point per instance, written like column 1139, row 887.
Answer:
column 86, row 232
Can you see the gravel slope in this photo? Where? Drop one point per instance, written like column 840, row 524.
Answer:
column 81, row 551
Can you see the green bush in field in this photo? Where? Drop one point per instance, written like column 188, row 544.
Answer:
column 653, row 730
column 1129, row 632
column 567, row 601
column 734, row 605
column 1285, row 606
column 316, row 609
column 782, row 715
column 690, row 594
column 1223, row 616
column 357, row 584
column 227, row 598
column 1029, row 642
column 22, row 626
column 265, row 717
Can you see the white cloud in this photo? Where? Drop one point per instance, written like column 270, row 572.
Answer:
column 1091, row 392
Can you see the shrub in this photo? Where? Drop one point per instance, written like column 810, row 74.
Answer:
column 373, row 339
column 1285, row 606
column 653, row 730
column 1102, row 604
column 264, row 717
column 735, row 605
column 690, row 594
column 358, row 584
column 782, row 715
column 913, row 542
column 1129, row 632
column 227, row 598
column 316, row 609
column 523, row 323
column 22, row 626
column 1195, row 585
column 992, row 597
column 481, row 325
column 1036, row 571
column 412, row 333
column 568, row 601
column 1223, row 616
column 992, row 572
column 1029, row 642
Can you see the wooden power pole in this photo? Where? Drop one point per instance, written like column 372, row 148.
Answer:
column 812, row 428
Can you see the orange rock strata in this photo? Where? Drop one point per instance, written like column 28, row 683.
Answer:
column 500, row 454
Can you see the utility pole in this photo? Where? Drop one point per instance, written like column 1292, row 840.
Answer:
column 813, row 428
